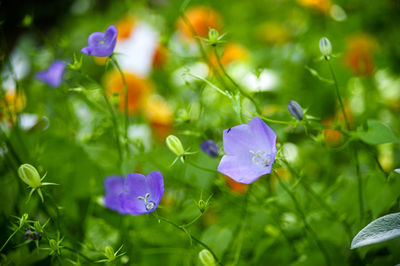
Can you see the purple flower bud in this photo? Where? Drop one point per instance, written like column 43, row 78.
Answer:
column 101, row 44
column 249, row 151
column 53, row 76
column 295, row 110
column 210, row 147
column 137, row 194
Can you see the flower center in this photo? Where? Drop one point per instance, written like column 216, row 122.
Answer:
column 148, row 204
column 261, row 158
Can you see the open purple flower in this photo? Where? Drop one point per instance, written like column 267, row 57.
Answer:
column 137, row 194
column 101, row 44
column 210, row 147
column 249, row 151
column 53, row 76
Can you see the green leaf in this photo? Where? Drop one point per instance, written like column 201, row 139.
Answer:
column 377, row 133
column 379, row 230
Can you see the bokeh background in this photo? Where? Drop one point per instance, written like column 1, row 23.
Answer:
column 270, row 49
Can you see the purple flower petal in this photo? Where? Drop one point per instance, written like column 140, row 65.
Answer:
column 101, row 44
column 53, row 76
column 139, row 194
column 250, row 151
column 113, row 186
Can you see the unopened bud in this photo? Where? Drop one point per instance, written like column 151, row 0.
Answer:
column 295, row 110
column 202, row 205
column 213, row 36
column 210, row 147
column 325, row 47
column 109, row 251
column 29, row 175
column 206, row 258
column 175, row 145
column 53, row 245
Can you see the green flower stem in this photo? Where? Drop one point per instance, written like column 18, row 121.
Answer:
column 338, row 94
column 115, row 62
column 306, row 225
column 243, row 218
column 10, row 237
column 79, row 253
column 319, row 199
column 112, row 113
column 182, row 228
column 201, row 48
column 193, row 221
column 359, row 185
column 266, row 119
column 243, row 92
column 202, row 168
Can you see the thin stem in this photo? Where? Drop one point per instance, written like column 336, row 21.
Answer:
column 193, row 221
column 359, row 185
column 9, row 238
column 202, row 168
column 338, row 95
column 306, row 225
column 79, row 253
column 244, row 93
column 126, row 111
column 192, row 237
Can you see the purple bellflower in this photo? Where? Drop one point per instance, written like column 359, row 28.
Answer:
column 137, row 194
column 101, row 44
column 53, row 76
column 249, row 151
column 210, row 147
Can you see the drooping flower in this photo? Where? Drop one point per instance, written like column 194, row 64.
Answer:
column 249, row 151
column 137, row 194
column 210, row 147
column 53, row 76
column 101, row 44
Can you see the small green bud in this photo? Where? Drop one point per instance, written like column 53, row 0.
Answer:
column 206, row 258
column 202, row 205
column 175, row 145
column 29, row 175
column 109, row 252
column 38, row 227
column 76, row 64
column 23, row 219
column 325, row 47
column 213, row 37
column 54, row 246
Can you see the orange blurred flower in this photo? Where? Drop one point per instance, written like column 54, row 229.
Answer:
column 10, row 105
column 236, row 187
column 202, row 19
column 359, row 54
column 160, row 56
column 320, row 5
column 160, row 116
column 125, row 27
column 139, row 90
column 232, row 52
column 272, row 32
column 333, row 137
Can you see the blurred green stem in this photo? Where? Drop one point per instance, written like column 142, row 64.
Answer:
column 11, row 236
column 115, row 62
column 360, row 185
column 182, row 228
column 304, row 218
column 78, row 253
column 240, row 89
column 338, row 95
column 201, row 168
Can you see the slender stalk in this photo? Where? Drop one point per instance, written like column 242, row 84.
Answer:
column 10, row 237
column 359, row 185
column 338, row 94
column 126, row 111
column 192, row 237
column 202, row 168
column 306, row 225
column 244, row 93
column 79, row 253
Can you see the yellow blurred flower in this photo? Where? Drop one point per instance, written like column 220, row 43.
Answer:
column 10, row 105
column 272, row 32
column 139, row 90
column 160, row 116
column 202, row 19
